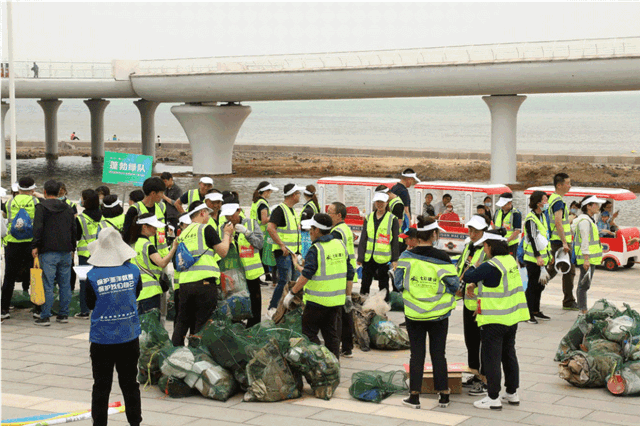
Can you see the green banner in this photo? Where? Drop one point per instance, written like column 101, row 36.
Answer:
column 120, row 167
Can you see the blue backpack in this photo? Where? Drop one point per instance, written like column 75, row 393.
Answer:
column 21, row 225
column 184, row 258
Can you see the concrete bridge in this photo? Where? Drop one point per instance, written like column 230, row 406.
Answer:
column 213, row 89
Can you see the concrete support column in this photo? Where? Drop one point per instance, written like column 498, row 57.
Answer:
column 212, row 131
column 504, row 114
column 50, row 108
column 148, row 126
column 3, row 149
column 96, row 108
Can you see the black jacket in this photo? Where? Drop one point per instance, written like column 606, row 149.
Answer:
column 54, row 228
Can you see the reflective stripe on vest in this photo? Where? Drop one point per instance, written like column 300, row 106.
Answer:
column 290, row 233
column 90, row 230
column 249, row 255
column 526, row 244
column 206, row 265
column 116, row 222
column 392, row 204
column 478, row 257
column 424, row 295
column 160, row 239
column 505, row 304
column 595, row 248
column 149, row 272
column 193, row 195
column 347, row 240
column 566, row 226
column 379, row 240
column 253, row 213
column 13, row 206
column 506, row 222
column 328, row 286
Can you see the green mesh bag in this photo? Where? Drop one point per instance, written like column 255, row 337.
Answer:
column 267, row 330
column 154, row 339
column 601, row 310
column 174, row 387
column 211, row 380
column 573, row 339
column 396, row 302
column 385, row 334
column 317, row 364
column 589, row 369
column 176, row 361
column 270, row 378
column 374, row 386
column 171, row 306
column 293, row 320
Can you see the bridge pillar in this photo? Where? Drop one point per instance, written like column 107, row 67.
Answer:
column 212, row 131
column 3, row 150
column 504, row 114
column 50, row 108
column 96, row 108
column 148, row 126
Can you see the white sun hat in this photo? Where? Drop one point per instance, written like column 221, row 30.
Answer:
column 151, row 221
column 200, row 207
column 411, row 175
column 269, row 187
column 434, row 225
column 206, row 180
column 489, row 236
column 307, row 224
column 477, row 222
column 380, row 196
column 109, row 249
column 213, row 196
column 504, row 199
column 229, row 209
column 185, row 218
column 593, row 199
column 110, row 206
column 295, row 188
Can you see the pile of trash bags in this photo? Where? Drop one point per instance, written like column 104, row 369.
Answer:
column 371, row 326
column 234, row 301
column 267, row 361
column 602, row 348
column 374, row 386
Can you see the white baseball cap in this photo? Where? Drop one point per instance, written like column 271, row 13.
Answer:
column 380, row 196
column 206, row 180
column 151, row 221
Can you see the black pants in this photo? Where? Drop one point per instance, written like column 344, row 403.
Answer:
column 145, row 305
column 255, row 295
column 567, row 279
column 437, row 331
column 18, row 260
column 347, row 331
column 371, row 270
column 124, row 357
column 513, row 248
column 534, row 288
column 198, row 300
column 499, row 347
column 327, row 320
column 472, row 339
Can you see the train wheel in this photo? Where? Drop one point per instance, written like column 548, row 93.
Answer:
column 610, row 264
column 630, row 263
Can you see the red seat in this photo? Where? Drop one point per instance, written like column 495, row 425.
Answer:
column 451, row 220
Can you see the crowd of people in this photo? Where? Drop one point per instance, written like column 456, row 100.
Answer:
column 168, row 238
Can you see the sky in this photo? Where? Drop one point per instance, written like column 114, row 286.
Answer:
column 102, row 31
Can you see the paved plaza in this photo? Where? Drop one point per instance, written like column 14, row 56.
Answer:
column 47, row 370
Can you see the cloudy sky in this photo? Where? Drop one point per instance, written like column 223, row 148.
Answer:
column 101, row 31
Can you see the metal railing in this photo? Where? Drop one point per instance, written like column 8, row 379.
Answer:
column 456, row 55
column 76, row 70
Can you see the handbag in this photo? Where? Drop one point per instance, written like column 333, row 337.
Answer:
column 36, row 284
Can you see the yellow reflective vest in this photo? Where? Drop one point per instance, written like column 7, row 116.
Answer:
column 90, row 230
column 290, row 233
column 478, row 257
column 595, row 248
column 160, row 239
column 149, row 271
column 506, row 222
column 328, row 286
column 116, row 222
column 253, row 213
column 526, row 243
column 206, row 265
column 347, row 240
column 249, row 255
column 379, row 241
column 566, row 226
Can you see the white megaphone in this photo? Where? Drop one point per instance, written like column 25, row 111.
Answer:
column 563, row 261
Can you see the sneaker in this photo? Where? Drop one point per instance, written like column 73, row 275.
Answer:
column 478, row 389
column 5, row 315
column 42, row 321
column 443, row 400
column 532, row 321
column 35, row 315
column 81, row 315
column 346, row 354
column 270, row 313
column 62, row 318
column 511, row 398
column 470, row 382
column 487, row 403
column 573, row 307
column 542, row 317
column 413, row 401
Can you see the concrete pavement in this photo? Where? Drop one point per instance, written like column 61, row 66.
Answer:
column 48, row 370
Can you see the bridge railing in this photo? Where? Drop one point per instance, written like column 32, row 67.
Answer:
column 456, row 55
column 76, row 70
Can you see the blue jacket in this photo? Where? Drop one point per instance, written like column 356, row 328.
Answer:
column 115, row 316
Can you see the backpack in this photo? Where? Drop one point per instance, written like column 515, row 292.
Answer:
column 184, row 258
column 21, row 225
column 520, row 251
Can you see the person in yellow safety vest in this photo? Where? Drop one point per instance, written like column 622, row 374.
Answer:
column 501, row 306
column 62, row 196
column 112, row 212
column 536, row 253
column 472, row 255
column 510, row 219
column 184, row 203
column 341, row 231
column 88, row 225
column 310, row 208
column 586, row 246
column 378, row 245
column 18, row 259
column 213, row 200
column 198, row 283
column 153, row 188
column 248, row 240
column 561, row 237
column 183, row 222
column 284, row 230
column 327, row 279
column 260, row 212
column 429, row 282
column 150, row 262
column 396, row 207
